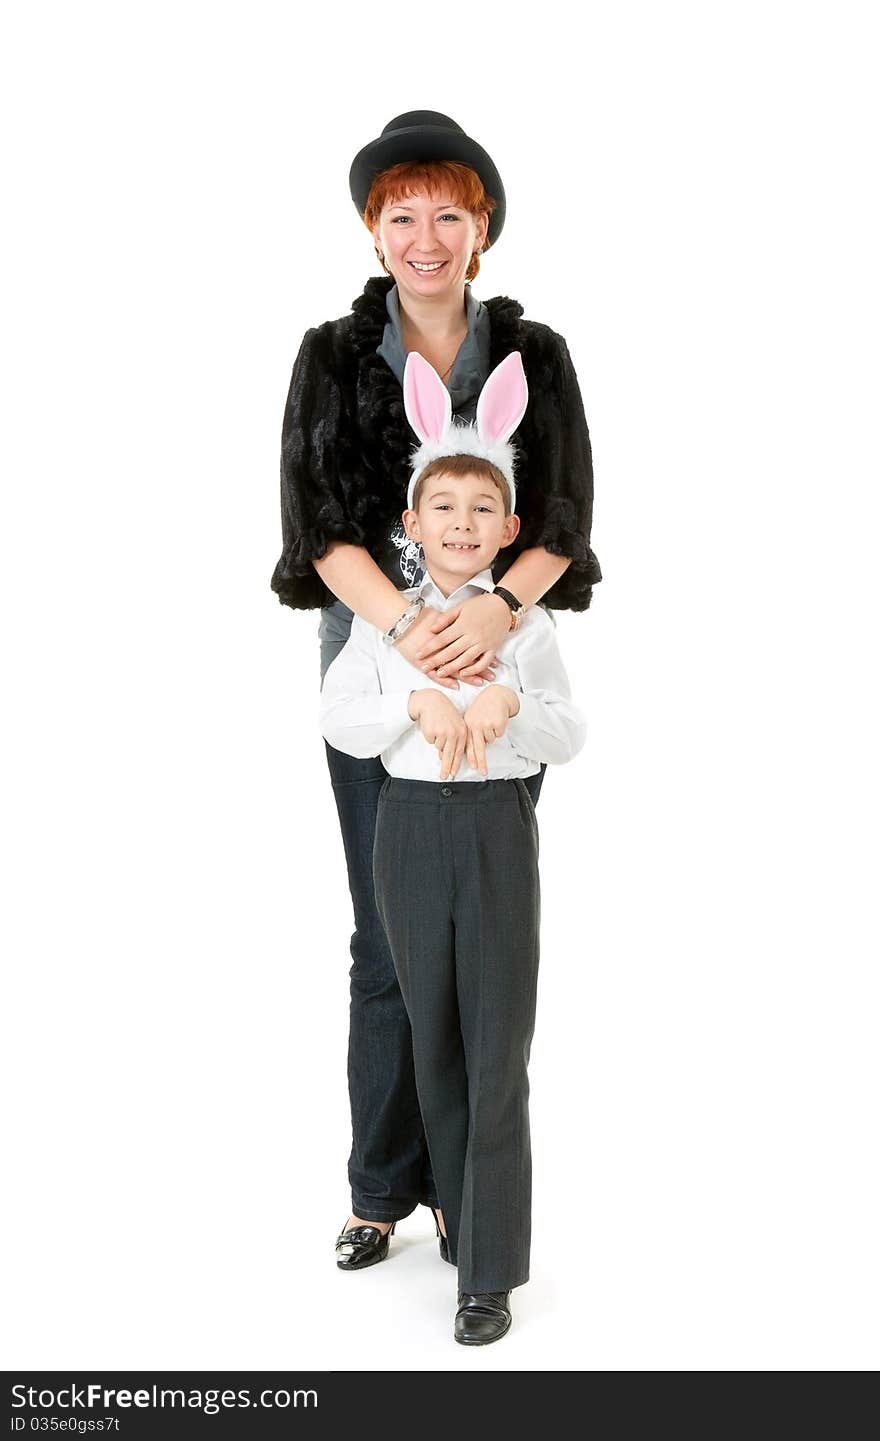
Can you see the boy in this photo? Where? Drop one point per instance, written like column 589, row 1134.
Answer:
column 456, row 850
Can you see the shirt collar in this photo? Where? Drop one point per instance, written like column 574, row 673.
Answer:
column 482, row 581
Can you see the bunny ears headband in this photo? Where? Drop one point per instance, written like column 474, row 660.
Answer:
column 500, row 408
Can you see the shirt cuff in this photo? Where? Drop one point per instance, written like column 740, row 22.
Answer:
column 395, row 707
column 522, row 726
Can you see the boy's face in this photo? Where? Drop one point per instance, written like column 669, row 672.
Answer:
column 461, row 525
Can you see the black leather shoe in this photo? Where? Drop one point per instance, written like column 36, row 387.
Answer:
column 362, row 1246
column 482, row 1318
column 443, row 1240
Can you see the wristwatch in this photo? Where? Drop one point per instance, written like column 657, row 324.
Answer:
column 517, row 609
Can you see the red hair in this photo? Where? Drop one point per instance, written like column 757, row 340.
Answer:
column 434, row 177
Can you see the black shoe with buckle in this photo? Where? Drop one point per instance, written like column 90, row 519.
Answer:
column 362, row 1246
column 482, row 1318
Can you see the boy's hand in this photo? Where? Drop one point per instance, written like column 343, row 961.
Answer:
column 486, row 719
column 442, row 726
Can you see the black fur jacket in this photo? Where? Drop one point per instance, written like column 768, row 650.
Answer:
column 346, row 444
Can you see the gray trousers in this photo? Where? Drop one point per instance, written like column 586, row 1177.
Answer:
column 455, row 869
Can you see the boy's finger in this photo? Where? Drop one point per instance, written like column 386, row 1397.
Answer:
column 448, row 757
column 469, row 751
column 479, row 751
column 449, row 753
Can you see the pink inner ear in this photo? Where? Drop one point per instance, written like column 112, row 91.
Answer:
column 503, row 399
column 425, row 398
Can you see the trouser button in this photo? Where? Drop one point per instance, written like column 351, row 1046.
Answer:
column 446, row 790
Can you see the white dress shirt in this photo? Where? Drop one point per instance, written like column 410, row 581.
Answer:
column 364, row 704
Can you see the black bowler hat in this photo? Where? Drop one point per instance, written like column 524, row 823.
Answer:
column 425, row 135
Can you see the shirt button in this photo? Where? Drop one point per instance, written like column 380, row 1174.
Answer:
column 446, row 790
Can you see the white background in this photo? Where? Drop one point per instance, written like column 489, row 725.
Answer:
column 691, row 193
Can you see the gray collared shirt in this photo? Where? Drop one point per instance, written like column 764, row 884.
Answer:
column 470, row 369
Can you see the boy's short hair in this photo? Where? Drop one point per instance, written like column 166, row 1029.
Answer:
column 459, row 465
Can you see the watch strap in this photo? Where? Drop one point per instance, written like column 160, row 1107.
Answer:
column 512, row 601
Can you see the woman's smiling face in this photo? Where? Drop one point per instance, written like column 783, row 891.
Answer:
column 428, row 243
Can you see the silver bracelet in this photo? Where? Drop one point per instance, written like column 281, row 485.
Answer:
column 410, row 615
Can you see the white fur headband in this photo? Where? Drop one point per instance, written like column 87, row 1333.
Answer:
column 500, row 408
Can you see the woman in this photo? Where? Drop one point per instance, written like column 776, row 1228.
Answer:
column 433, row 202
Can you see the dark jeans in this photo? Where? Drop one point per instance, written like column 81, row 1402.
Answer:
column 389, row 1169
column 458, row 890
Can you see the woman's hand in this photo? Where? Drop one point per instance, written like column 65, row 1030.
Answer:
column 442, row 726
column 463, row 641
column 486, row 720
column 414, row 637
